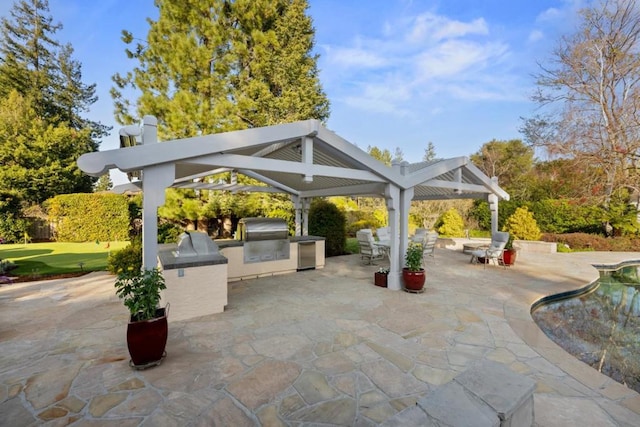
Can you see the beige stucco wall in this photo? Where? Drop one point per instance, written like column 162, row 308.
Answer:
column 199, row 292
column 238, row 270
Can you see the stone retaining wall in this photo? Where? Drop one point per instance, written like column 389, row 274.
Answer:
column 524, row 245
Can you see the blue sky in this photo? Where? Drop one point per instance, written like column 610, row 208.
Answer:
column 398, row 73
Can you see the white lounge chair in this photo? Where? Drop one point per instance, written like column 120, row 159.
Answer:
column 369, row 250
column 383, row 233
column 494, row 251
column 419, row 235
column 429, row 245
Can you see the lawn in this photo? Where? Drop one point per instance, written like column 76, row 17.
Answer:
column 352, row 246
column 43, row 259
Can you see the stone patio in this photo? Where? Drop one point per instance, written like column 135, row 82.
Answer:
column 321, row 347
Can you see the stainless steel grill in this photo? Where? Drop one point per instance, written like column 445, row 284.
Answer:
column 266, row 239
column 254, row 229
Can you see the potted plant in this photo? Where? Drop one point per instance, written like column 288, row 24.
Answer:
column 380, row 277
column 147, row 330
column 509, row 253
column 413, row 273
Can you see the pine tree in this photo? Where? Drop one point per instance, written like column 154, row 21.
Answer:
column 104, row 183
column 214, row 66
column 28, row 51
column 39, row 159
column 39, row 73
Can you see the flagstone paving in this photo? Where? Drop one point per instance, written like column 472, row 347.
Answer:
column 323, row 347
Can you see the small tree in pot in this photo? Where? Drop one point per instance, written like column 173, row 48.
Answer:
column 413, row 273
column 509, row 253
column 147, row 330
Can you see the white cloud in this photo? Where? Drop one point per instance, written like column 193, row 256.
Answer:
column 355, row 57
column 453, row 57
column 429, row 26
column 418, row 60
column 551, row 14
column 383, row 96
column 535, row 35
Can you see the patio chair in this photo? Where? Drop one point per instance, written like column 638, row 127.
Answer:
column 368, row 248
column 494, row 251
column 418, row 235
column 383, row 234
column 429, row 245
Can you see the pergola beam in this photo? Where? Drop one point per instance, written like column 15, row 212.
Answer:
column 283, row 166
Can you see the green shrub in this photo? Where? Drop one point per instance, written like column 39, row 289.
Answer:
column 89, row 217
column 6, row 266
column 12, row 226
column 169, row 232
column 623, row 217
column 353, row 227
column 450, row 224
column 140, row 292
column 567, row 216
column 134, row 204
column 592, row 242
column 326, row 220
column 286, row 214
column 127, row 258
column 522, row 225
column 482, row 215
column 413, row 257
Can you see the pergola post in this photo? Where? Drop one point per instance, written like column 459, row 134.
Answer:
column 297, row 206
column 493, row 207
column 305, row 215
column 392, row 197
column 406, row 196
column 155, row 179
column 405, row 205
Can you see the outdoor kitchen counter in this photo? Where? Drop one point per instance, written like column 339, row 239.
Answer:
column 169, row 261
column 237, row 269
column 196, row 284
column 226, row 243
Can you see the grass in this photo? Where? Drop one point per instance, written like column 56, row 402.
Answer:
column 352, row 246
column 43, row 259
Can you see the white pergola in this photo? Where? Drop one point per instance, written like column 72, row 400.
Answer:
column 303, row 159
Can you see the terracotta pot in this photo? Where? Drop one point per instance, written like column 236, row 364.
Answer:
column 380, row 279
column 509, row 256
column 413, row 280
column 147, row 339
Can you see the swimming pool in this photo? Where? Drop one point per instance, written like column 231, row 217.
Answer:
column 599, row 324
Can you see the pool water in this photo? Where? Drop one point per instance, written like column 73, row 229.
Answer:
column 601, row 327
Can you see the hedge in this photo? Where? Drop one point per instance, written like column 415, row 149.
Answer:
column 89, row 217
column 326, row 220
column 12, row 226
column 551, row 215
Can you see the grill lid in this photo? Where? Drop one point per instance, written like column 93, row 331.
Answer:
column 254, row 229
column 192, row 243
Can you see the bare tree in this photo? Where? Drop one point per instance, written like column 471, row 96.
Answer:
column 590, row 96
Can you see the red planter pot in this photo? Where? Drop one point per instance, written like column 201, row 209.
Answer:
column 509, row 256
column 380, row 279
column 413, row 280
column 147, row 340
